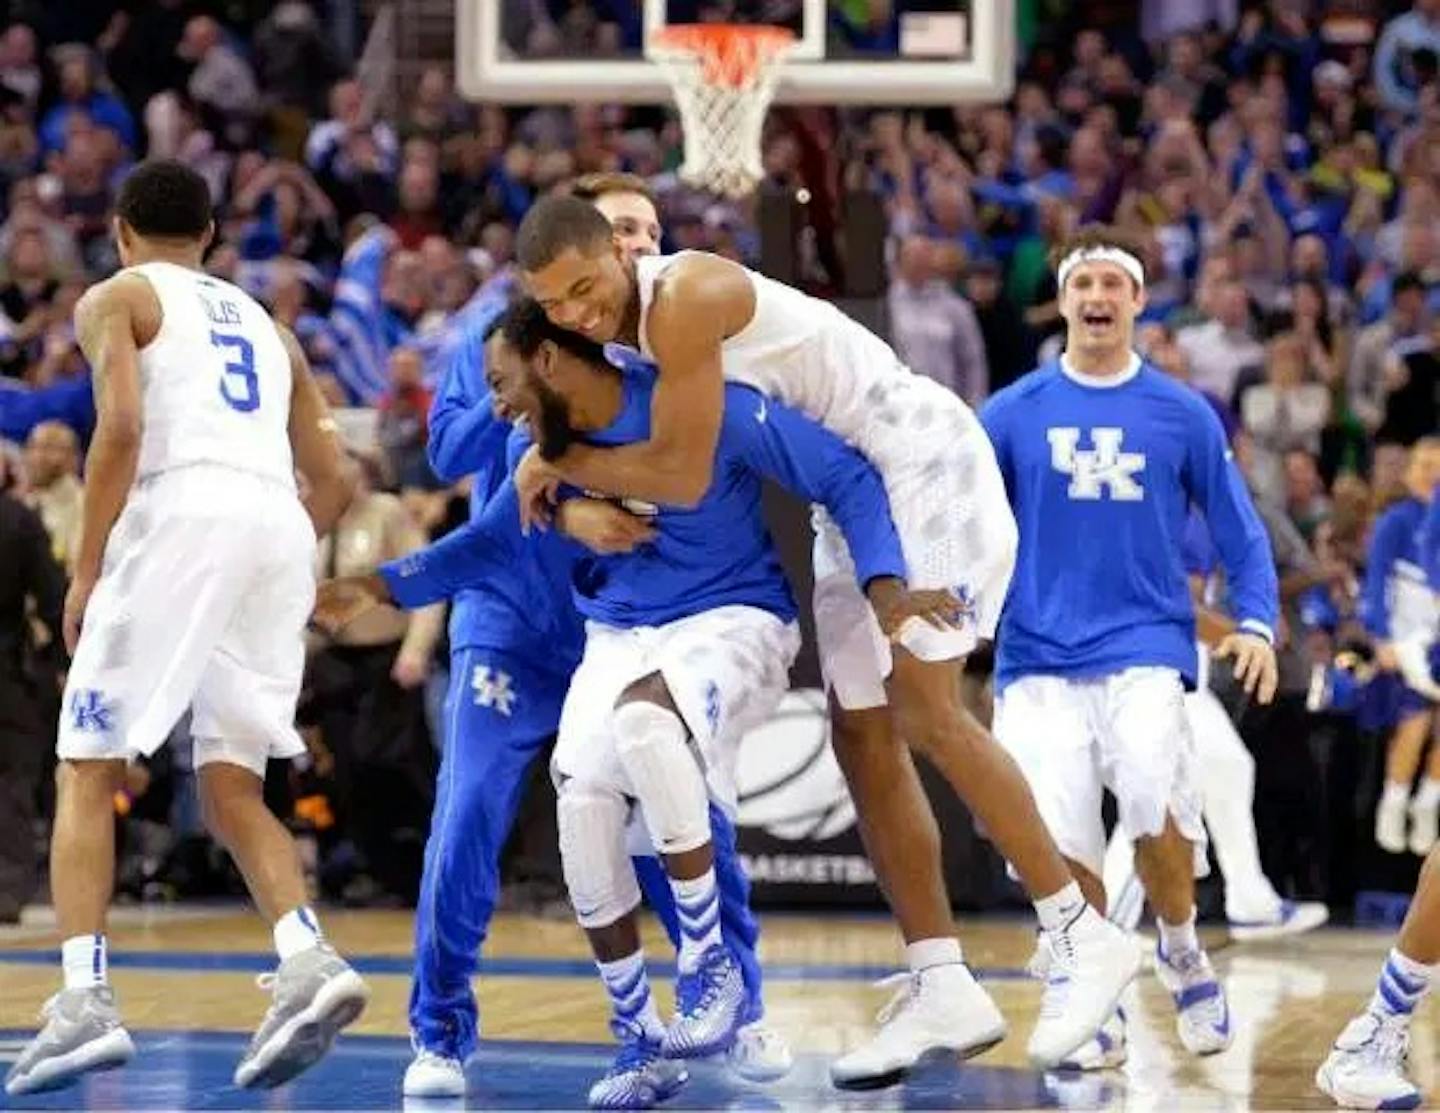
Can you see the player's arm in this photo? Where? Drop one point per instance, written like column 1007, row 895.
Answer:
column 1430, row 543
column 810, row 461
column 696, row 306
column 465, row 435
column 1385, row 545
column 113, row 321
column 427, row 623
column 315, row 442
column 1244, row 549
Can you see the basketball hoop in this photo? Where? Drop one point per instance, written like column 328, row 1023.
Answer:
column 723, row 76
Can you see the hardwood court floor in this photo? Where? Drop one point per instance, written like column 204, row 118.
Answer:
column 186, row 983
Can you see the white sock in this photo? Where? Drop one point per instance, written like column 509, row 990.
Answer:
column 1428, row 797
column 296, row 931
column 1402, row 983
column 1060, row 909
column 697, row 906
column 1395, row 793
column 85, row 960
column 1178, row 939
column 925, row 953
column 629, row 988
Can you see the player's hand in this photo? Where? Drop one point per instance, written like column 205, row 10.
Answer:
column 602, row 527
column 341, row 601
column 536, row 482
column 77, row 598
column 410, row 669
column 895, row 605
column 1255, row 665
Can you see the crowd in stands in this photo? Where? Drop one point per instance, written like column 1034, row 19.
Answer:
column 1282, row 176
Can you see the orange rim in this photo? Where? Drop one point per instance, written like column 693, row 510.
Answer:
column 729, row 53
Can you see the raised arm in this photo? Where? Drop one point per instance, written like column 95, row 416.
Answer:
column 113, row 321
column 315, row 442
column 698, row 303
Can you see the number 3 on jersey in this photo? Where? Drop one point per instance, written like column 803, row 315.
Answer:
column 239, row 385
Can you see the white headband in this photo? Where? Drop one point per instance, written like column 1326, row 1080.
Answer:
column 1121, row 258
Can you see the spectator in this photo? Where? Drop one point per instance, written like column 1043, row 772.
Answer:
column 1405, row 323
column 30, row 572
column 1400, row 62
column 18, row 69
column 934, row 329
column 1009, row 348
column 1224, row 346
column 1412, row 404
column 1284, row 412
column 404, row 410
column 53, row 488
column 296, row 65
column 352, row 154
column 80, row 98
column 221, row 83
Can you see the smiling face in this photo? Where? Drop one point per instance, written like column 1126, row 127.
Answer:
column 518, row 390
column 585, row 291
column 1100, row 302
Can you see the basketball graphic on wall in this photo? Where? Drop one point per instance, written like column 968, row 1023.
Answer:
column 789, row 782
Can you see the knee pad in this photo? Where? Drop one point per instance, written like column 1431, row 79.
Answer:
column 597, row 869
column 651, row 743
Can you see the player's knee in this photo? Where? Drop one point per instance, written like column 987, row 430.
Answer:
column 933, row 721
column 652, row 744
column 597, row 869
column 86, row 779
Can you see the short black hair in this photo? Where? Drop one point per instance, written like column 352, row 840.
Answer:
column 555, row 223
column 525, row 327
column 165, row 199
column 1407, row 280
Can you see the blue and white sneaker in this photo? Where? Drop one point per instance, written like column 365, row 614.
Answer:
column 1105, row 1050
column 1292, row 918
column 1366, row 1067
column 709, row 1007
column 641, row 1077
column 1204, row 1014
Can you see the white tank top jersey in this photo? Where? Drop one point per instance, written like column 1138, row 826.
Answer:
column 215, row 381
column 801, row 351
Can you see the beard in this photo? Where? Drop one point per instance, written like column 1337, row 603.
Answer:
column 553, row 432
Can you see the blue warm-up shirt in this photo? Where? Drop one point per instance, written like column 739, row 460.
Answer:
column 716, row 554
column 1396, row 599
column 1102, row 475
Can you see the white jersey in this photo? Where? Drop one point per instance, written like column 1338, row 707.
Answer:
column 215, row 381
column 810, row 355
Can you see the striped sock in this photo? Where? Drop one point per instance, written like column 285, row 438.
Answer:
column 629, row 989
column 697, row 905
column 85, row 960
column 1403, row 981
column 298, row 930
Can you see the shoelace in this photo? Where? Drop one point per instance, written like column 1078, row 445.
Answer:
column 1387, row 1044
column 1057, row 973
column 702, row 987
column 266, row 981
column 904, row 998
column 636, row 1051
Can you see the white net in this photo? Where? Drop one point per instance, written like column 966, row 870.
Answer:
column 723, row 78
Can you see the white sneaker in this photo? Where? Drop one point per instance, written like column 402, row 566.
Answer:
column 1090, row 964
column 1366, row 1067
column 941, row 1007
column 1292, row 918
column 759, row 1053
column 1105, row 1050
column 432, row 1075
column 1424, row 827
column 1203, row 1013
column 1390, row 819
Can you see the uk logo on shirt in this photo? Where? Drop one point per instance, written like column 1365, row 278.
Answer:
column 90, row 713
column 1104, row 469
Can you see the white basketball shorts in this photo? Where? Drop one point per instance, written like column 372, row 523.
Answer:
column 207, row 585
column 1128, row 732
column 948, row 502
column 726, row 670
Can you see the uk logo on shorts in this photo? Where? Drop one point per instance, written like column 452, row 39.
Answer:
column 492, row 689
column 712, row 706
column 90, row 713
